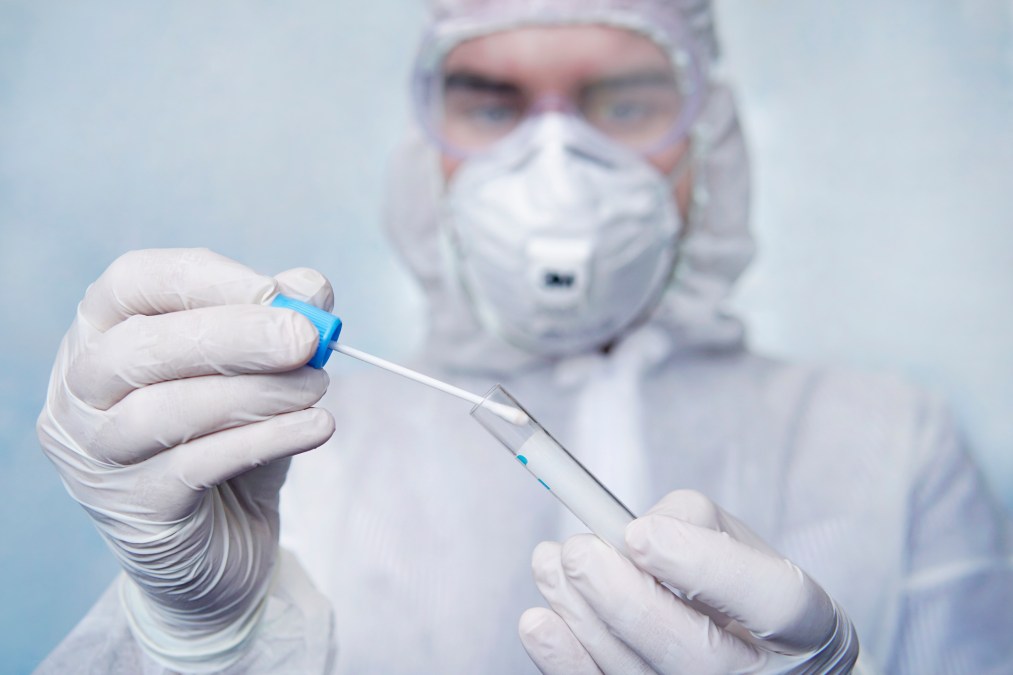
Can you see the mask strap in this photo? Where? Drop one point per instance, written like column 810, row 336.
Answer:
column 692, row 156
column 699, row 194
column 685, row 162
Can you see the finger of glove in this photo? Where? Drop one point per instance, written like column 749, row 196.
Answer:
column 308, row 285
column 230, row 340
column 552, row 646
column 159, row 281
column 610, row 653
column 767, row 594
column 695, row 508
column 161, row 416
column 670, row 636
column 214, row 459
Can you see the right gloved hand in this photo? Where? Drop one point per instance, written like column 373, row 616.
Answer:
column 173, row 407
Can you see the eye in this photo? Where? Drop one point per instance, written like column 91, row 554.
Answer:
column 480, row 112
column 622, row 113
column 636, row 108
column 627, row 111
column 477, row 108
column 493, row 114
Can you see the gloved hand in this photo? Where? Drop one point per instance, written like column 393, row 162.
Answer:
column 174, row 404
column 612, row 615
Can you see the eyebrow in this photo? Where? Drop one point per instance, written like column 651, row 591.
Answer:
column 476, row 82
column 651, row 78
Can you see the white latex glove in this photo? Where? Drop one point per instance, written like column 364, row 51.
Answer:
column 174, row 404
column 612, row 615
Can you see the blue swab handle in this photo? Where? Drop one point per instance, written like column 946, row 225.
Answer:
column 328, row 325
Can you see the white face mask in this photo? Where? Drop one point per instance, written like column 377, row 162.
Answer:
column 560, row 237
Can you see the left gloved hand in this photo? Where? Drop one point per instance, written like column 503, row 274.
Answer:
column 747, row 609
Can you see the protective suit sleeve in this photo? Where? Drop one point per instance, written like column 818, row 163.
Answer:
column 956, row 615
column 296, row 634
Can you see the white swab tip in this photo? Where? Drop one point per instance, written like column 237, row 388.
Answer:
column 509, row 413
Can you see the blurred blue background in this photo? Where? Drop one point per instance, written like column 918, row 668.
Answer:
column 883, row 154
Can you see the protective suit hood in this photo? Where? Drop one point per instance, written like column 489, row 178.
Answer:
column 713, row 253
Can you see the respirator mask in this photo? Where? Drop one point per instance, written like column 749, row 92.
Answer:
column 560, row 239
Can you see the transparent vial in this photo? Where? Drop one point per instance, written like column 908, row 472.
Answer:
column 554, row 467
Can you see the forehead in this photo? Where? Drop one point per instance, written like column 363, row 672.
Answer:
column 556, row 56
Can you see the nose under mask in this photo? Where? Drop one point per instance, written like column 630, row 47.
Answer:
column 560, row 238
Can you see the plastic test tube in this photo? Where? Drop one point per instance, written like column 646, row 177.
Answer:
column 554, row 467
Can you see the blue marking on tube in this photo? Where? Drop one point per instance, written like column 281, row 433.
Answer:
column 522, row 459
column 543, row 483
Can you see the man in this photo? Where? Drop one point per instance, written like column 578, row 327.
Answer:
column 576, row 214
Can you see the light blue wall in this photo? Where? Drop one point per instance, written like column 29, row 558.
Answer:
column 883, row 143
column 260, row 129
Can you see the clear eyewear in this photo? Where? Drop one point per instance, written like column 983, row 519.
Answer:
column 646, row 109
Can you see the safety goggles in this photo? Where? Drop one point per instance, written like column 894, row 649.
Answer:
column 646, row 108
